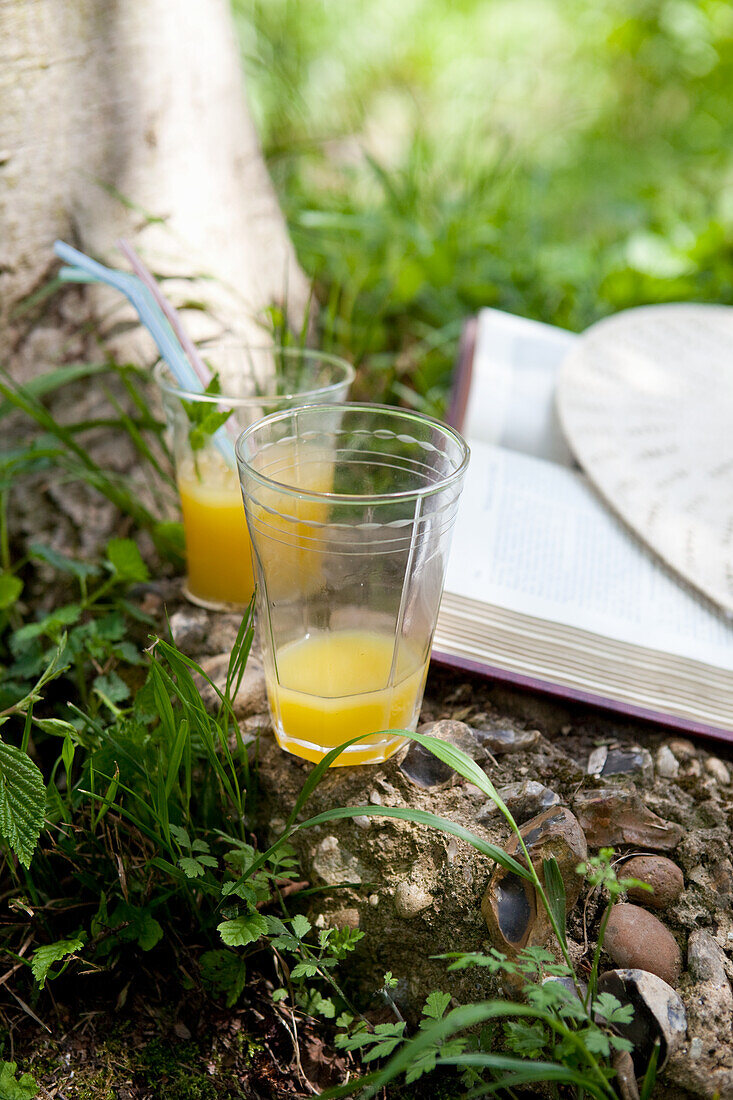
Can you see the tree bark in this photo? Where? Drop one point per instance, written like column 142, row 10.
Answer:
column 129, row 117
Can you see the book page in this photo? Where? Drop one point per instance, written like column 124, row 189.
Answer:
column 531, row 536
column 511, row 401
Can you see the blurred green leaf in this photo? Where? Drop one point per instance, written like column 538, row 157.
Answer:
column 10, row 589
column 126, row 561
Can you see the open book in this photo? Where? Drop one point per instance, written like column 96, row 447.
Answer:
column 546, row 588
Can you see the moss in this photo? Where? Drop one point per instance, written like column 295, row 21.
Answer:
column 178, row 1070
column 170, row 1067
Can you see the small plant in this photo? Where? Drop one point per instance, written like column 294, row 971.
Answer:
column 13, row 1087
column 310, row 962
column 563, row 1034
column 204, row 417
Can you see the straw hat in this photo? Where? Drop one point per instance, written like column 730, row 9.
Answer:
column 646, row 400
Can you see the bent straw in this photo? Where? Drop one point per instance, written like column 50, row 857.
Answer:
column 84, row 269
column 148, row 279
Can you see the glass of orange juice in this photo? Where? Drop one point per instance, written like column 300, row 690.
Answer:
column 250, row 383
column 350, row 510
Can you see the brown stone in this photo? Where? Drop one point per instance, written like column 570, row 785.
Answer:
column 618, row 816
column 556, row 832
column 511, row 909
column 661, row 874
column 626, row 1084
column 636, row 939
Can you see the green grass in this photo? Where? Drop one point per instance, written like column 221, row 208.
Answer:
column 562, row 161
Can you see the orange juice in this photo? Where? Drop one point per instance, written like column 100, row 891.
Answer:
column 218, row 546
column 288, row 527
column 331, row 687
column 218, row 549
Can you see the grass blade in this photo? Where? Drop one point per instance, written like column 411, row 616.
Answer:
column 174, row 760
column 521, row 1071
column 555, row 891
column 650, row 1077
column 422, row 817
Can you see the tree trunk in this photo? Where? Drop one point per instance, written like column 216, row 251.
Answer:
column 129, row 117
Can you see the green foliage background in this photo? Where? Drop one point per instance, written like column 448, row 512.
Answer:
column 561, row 160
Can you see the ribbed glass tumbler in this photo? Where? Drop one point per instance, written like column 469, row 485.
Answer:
column 256, row 381
column 350, row 510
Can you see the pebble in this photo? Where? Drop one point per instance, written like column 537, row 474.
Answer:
column 636, row 939
column 718, row 770
column 459, row 734
column 682, row 748
column 625, row 1081
column 618, row 816
column 668, row 766
column 556, row 832
column 425, row 769
column 609, row 762
column 510, row 911
column 451, row 850
column 504, row 740
column 706, row 959
column 721, row 872
column 251, row 698
column 411, row 899
column 658, row 872
column 334, row 864
column 189, row 626
column 659, row 1014
column 524, row 800
column 596, row 760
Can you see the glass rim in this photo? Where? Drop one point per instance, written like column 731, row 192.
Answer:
column 357, row 498
column 166, row 381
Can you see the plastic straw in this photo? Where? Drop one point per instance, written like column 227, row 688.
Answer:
column 146, row 277
column 83, row 268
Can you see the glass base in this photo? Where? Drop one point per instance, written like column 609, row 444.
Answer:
column 212, row 605
column 369, row 751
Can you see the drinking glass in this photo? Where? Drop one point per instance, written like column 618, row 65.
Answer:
column 255, row 381
column 350, row 510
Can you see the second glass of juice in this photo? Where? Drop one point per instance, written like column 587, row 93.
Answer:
column 350, row 576
column 253, row 382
